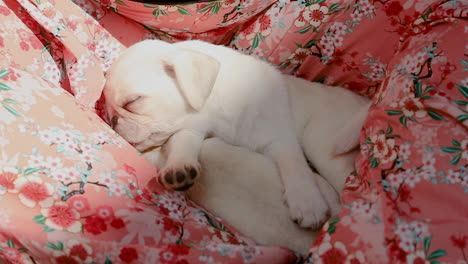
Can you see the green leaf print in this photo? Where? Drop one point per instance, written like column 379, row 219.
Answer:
column 10, row 243
column 427, row 244
column 304, row 30
column 183, row 11
column 108, row 261
column 214, row 7
column 255, row 43
column 418, row 89
column 150, row 5
column 374, row 163
column 11, row 110
column 4, row 73
column 30, row 170
column 435, row 115
column 333, row 7
column 463, row 90
column 40, row 219
column 403, row 120
column 455, row 159
column 310, row 44
column 4, row 87
column 450, row 149
column 437, row 254
column 120, row 2
column 59, row 245
column 10, row 101
column 462, row 118
column 394, row 112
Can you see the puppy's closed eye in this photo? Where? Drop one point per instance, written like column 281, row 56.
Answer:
column 132, row 103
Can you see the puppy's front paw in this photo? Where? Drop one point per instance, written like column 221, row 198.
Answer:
column 307, row 207
column 179, row 178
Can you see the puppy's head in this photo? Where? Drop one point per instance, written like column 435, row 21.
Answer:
column 153, row 86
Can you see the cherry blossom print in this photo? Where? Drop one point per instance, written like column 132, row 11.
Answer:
column 32, row 191
column 61, row 216
column 8, row 176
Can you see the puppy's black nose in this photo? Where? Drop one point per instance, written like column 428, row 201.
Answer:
column 114, row 121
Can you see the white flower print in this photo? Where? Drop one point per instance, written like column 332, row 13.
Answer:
column 453, row 176
column 404, row 151
column 396, row 179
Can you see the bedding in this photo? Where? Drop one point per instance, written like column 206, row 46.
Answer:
column 72, row 191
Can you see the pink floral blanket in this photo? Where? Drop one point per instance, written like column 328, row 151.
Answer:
column 72, row 191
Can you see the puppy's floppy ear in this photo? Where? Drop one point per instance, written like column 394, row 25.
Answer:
column 195, row 73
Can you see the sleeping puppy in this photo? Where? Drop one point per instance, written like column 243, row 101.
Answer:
column 179, row 94
column 245, row 189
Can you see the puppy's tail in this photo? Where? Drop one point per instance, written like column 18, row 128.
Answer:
column 347, row 138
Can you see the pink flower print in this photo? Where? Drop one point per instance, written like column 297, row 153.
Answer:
column 338, row 28
column 118, row 190
column 395, row 179
column 87, row 158
column 411, row 106
column 328, row 51
column 79, row 250
column 404, row 151
column 4, row 10
column 79, row 203
column 300, row 21
column 105, row 212
column 331, row 253
column 417, row 257
column 383, row 148
column 453, row 176
column 367, row 9
column 36, row 161
column 32, row 190
column 420, row 229
column 428, row 160
column 46, row 136
column 356, row 258
column 315, row 14
column 406, row 245
column 464, row 147
column 265, row 25
column 8, row 175
column 11, row 255
column 53, row 163
column 356, row 16
column 299, row 56
column 337, row 41
column 61, row 216
column 412, row 178
column 106, row 179
column 428, row 172
column 464, row 181
column 167, row 256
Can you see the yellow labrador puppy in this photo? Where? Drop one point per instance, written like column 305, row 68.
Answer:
column 179, row 94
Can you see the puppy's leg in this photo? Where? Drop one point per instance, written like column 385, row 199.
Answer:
column 306, row 204
column 182, row 166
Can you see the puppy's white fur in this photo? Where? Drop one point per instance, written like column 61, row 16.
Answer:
column 245, row 189
column 181, row 93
